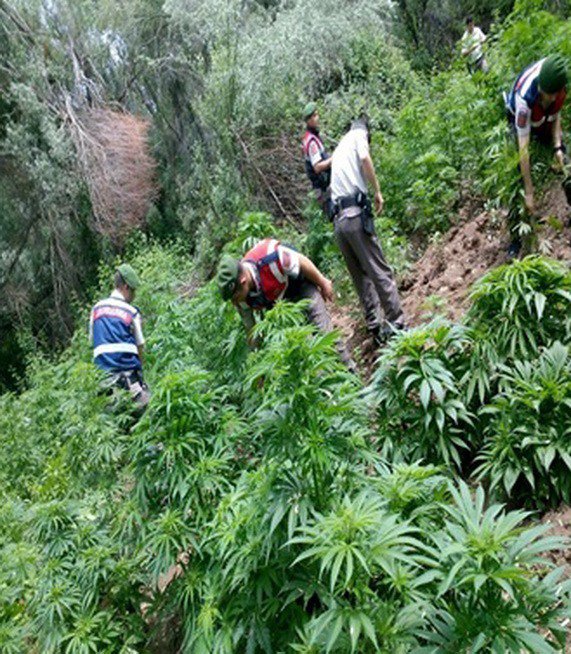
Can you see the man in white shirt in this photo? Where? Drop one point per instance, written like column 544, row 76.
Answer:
column 472, row 40
column 351, row 169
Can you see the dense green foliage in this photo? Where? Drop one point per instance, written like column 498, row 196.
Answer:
column 269, row 501
column 498, row 385
column 259, row 475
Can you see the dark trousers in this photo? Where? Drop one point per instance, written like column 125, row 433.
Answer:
column 371, row 274
column 302, row 289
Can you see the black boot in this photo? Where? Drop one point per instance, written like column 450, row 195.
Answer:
column 514, row 248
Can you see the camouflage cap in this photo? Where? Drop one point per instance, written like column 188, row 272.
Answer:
column 309, row 109
column 553, row 74
column 129, row 276
column 227, row 276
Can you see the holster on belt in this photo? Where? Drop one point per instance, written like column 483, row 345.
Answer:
column 362, row 201
column 367, row 219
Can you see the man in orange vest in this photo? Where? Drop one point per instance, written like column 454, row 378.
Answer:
column 270, row 272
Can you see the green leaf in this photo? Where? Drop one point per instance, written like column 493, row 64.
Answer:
column 424, row 393
column 539, row 300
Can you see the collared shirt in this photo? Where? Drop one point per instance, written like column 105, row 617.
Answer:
column 346, row 164
column 116, row 334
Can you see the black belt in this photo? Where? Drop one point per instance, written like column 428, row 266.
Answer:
column 347, row 201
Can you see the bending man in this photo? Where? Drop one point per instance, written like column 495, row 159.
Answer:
column 270, row 272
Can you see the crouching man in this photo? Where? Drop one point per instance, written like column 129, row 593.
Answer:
column 270, row 272
column 117, row 337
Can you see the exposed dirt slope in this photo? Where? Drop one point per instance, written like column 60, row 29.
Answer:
column 440, row 280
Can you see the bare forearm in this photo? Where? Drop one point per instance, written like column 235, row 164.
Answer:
column 557, row 132
column 524, row 165
column 369, row 173
column 310, row 271
column 322, row 165
column 248, row 321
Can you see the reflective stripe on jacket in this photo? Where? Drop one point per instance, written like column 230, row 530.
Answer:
column 113, row 333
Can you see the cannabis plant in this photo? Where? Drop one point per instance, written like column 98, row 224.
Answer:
column 417, row 388
column 527, row 452
column 523, row 306
column 495, row 591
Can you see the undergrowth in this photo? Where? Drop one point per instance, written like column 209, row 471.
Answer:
column 298, row 510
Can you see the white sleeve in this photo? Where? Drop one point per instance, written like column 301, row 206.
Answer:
column 481, row 36
column 464, row 43
column 91, row 328
column 314, row 153
column 138, row 330
column 361, row 143
column 522, row 116
column 289, row 260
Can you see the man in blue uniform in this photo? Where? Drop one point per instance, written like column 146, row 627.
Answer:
column 117, row 336
column 534, row 107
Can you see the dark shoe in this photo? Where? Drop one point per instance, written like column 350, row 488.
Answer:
column 381, row 335
column 567, row 189
column 514, row 248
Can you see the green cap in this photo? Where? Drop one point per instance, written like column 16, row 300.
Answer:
column 553, row 74
column 129, row 275
column 227, row 276
column 309, row 109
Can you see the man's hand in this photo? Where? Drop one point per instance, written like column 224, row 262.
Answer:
column 326, row 288
column 378, row 202
column 529, row 201
column 253, row 340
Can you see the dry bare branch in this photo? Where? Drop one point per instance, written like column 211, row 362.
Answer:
column 119, row 169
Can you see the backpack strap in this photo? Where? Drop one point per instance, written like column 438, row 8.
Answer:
column 268, row 259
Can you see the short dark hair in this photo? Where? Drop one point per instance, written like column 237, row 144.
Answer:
column 362, row 121
column 118, row 280
column 469, row 20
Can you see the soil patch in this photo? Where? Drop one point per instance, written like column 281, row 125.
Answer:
column 440, row 281
column 560, row 525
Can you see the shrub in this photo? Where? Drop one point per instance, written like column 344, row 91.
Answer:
column 490, row 596
column 422, row 410
column 527, row 452
column 523, row 306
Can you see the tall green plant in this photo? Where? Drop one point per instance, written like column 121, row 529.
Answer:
column 527, row 449
column 523, row 306
column 490, row 596
column 422, row 410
